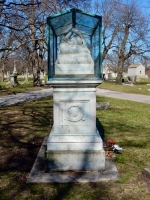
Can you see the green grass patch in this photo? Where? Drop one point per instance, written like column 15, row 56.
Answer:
column 5, row 88
column 138, row 87
column 24, row 126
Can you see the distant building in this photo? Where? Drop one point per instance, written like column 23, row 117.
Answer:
column 137, row 70
column 109, row 72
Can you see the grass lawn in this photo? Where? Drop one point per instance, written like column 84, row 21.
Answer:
column 138, row 88
column 23, row 87
column 24, row 126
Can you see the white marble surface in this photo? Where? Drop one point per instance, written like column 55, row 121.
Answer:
column 77, row 160
column 74, row 69
column 74, row 142
column 74, row 111
column 65, row 142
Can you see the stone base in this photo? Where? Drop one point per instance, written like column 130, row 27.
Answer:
column 76, row 153
column 38, row 175
column 75, row 160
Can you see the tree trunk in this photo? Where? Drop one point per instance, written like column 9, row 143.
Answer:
column 26, row 76
column 121, row 55
column 1, row 76
column 119, row 71
column 2, row 70
column 35, row 68
column 36, row 76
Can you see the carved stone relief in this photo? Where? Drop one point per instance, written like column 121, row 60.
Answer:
column 74, row 55
column 74, row 113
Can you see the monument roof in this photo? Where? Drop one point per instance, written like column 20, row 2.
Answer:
column 64, row 21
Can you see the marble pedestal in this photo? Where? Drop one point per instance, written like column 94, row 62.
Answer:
column 74, row 142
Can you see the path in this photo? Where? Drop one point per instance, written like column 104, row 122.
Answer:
column 21, row 97
column 125, row 96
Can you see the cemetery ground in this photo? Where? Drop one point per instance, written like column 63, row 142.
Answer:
column 24, row 126
column 141, row 87
column 6, row 89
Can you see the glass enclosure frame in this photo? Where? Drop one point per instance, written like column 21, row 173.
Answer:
column 91, row 28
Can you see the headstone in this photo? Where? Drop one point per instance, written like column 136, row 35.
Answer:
column 129, row 79
column 41, row 75
column 8, row 74
column 43, row 82
column 13, row 77
column 102, row 105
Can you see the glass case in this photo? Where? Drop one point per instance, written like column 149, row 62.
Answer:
column 74, row 45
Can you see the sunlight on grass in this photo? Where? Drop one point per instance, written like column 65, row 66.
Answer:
column 23, row 87
column 138, row 88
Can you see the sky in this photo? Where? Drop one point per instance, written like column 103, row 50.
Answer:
column 145, row 4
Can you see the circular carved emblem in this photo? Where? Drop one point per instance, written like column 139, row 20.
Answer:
column 74, row 113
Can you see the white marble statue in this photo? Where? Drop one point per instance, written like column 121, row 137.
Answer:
column 73, row 50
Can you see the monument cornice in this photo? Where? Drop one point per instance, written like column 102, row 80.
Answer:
column 74, row 83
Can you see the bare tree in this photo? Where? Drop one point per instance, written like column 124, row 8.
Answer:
column 11, row 21
column 125, row 31
column 107, row 9
column 5, row 40
column 132, row 38
column 27, row 22
column 56, row 6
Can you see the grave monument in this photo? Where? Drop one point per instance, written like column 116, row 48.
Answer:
column 13, row 76
column 74, row 71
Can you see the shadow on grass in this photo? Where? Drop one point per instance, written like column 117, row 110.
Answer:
column 100, row 129
column 22, row 130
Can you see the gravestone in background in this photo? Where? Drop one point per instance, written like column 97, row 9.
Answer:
column 13, row 77
column 41, row 75
column 74, row 72
column 8, row 74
